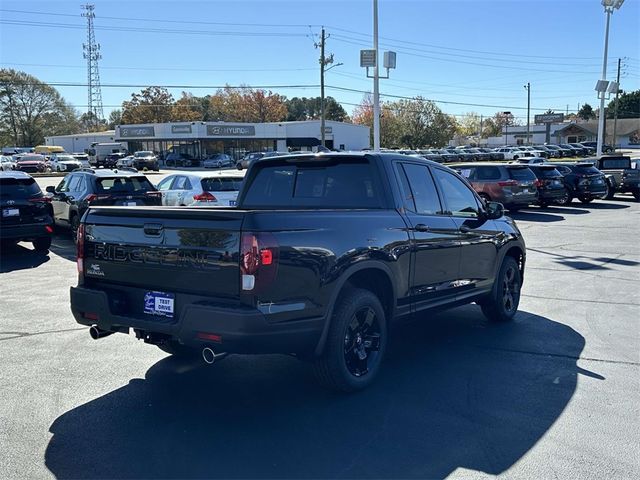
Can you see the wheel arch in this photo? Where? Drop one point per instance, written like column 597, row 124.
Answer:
column 374, row 276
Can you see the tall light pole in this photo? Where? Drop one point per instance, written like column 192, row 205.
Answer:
column 528, row 87
column 376, row 82
column 609, row 7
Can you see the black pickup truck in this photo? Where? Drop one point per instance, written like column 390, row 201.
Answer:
column 322, row 254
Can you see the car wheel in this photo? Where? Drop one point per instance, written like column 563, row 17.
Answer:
column 515, row 157
column 356, row 343
column 42, row 244
column 219, row 164
column 74, row 223
column 586, row 200
column 610, row 192
column 174, row 348
column 502, row 303
column 567, row 199
column 636, row 195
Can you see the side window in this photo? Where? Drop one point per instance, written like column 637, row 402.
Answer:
column 165, row 184
column 179, row 183
column 74, row 183
column 422, row 190
column 460, row 200
column 563, row 170
column 63, row 186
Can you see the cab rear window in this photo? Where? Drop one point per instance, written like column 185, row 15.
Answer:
column 322, row 185
column 616, row 163
column 124, row 185
column 18, row 188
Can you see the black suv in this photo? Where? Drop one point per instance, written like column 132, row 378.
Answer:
column 582, row 181
column 120, row 187
column 26, row 213
column 550, row 185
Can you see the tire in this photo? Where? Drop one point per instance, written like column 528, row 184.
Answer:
column 502, row 303
column 568, row 199
column 42, row 244
column 610, row 192
column 515, row 157
column 356, row 343
column 74, row 223
column 636, row 195
column 180, row 351
column 586, row 200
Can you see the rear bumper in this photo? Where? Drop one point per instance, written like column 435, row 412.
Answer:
column 24, row 232
column 242, row 330
column 550, row 196
column 591, row 191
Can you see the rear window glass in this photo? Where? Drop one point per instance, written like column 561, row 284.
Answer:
column 124, row 185
column 521, row 174
column 342, row 185
column 586, row 169
column 488, row 173
column 616, row 163
column 545, row 172
column 222, row 184
column 18, row 188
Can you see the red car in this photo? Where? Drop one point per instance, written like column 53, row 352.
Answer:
column 32, row 164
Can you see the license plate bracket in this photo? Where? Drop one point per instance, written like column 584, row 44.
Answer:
column 159, row 304
column 10, row 212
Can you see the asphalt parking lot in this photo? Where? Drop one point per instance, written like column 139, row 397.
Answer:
column 554, row 394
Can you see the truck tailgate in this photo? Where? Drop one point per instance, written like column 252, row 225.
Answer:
column 194, row 250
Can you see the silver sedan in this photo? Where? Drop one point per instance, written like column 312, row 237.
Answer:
column 201, row 188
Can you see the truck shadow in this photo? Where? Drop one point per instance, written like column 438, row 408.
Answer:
column 455, row 392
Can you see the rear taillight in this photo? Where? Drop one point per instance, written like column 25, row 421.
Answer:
column 93, row 197
column 205, row 197
column 508, row 183
column 80, row 249
column 258, row 260
column 538, row 183
column 40, row 200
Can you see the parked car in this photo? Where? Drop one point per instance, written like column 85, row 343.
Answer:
column 201, row 188
column 619, row 175
column 26, row 214
column 320, row 259
column 180, row 160
column 530, row 160
column 7, row 163
column 589, row 150
column 145, row 159
column 126, row 162
column 550, row 185
column 575, row 152
column 584, row 151
column 513, row 153
column 248, row 160
column 594, row 145
column 432, row 155
column 536, row 152
column 33, row 163
column 448, row 156
column 461, row 155
column 582, row 181
column 218, row 160
column 492, row 153
column 111, row 160
column 63, row 162
column 513, row 185
column 81, row 189
column 480, row 156
column 560, row 152
column 83, row 158
column 550, row 152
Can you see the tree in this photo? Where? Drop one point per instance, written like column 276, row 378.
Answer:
column 186, row 109
column 89, row 123
column 151, row 105
column 310, row 109
column 628, row 105
column 31, row 110
column 586, row 112
column 363, row 115
column 115, row 118
column 468, row 125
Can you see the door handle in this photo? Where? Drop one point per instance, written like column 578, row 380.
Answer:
column 464, row 229
column 421, row 227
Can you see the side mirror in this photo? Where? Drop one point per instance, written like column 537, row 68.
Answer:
column 494, row 210
column 51, row 189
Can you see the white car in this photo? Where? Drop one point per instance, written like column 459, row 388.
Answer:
column 127, row 161
column 534, row 151
column 514, row 153
column 83, row 158
column 7, row 163
column 63, row 162
column 201, row 188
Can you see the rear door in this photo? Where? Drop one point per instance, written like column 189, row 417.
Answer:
column 436, row 253
column 479, row 237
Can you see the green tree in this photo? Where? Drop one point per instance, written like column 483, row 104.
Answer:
column 151, row 105
column 310, row 109
column 628, row 105
column 468, row 125
column 586, row 112
column 115, row 118
column 31, row 109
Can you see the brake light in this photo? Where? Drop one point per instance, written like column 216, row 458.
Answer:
column 40, row 200
column 93, row 197
column 205, row 197
column 508, row 183
column 80, row 249
column 538, row 183
column 258, row 260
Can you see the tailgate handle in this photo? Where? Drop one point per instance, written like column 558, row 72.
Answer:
column 153, row 229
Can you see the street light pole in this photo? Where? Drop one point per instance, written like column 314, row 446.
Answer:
column 528, row 87
column 601, row 115
column 376, row 82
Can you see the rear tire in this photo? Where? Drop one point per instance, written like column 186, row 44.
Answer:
column 74, row 225
column 42, row 244
column 610, row 192
column 356, row 343
column 636, row 195
column 502, row 304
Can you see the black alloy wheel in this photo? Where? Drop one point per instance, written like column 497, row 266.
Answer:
column 502, row 304
column 74, row 224
column 566, row 199
column 362, row 342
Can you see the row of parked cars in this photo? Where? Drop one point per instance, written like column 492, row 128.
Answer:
column 38, row 163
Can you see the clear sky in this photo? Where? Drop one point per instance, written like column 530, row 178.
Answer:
column 469, row 53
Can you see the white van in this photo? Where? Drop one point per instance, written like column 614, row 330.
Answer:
column 100, row 151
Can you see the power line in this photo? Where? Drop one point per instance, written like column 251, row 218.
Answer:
column 161, row 69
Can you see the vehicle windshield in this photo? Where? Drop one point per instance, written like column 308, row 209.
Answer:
column 19, row 188
column 32, row 158
column 124, row 185
column 143, row 154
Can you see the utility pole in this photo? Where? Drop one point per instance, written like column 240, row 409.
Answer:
column 528, row 87
column 324, row 61
column 480, row 135
column 615, row 110
column 376, row 82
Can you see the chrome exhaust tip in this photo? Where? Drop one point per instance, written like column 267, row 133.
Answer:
column 210, row 356
column 97, row 333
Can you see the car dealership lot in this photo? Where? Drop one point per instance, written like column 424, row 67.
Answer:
column 555, row 393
